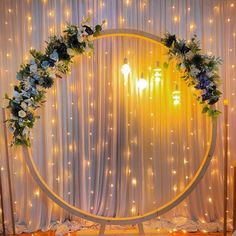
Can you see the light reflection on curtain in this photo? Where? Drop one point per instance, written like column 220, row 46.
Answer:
column 99, row 143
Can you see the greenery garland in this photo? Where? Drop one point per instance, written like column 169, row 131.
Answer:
column 39, row 74
column 199, row 70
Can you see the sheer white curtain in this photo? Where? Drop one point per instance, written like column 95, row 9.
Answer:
column 102, row 144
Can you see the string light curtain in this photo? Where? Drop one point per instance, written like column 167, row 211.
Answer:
column 102, row 143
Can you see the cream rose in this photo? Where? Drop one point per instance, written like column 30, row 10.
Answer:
column 21, row 114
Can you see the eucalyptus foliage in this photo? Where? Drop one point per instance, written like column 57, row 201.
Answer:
column 39, row 74
column 199, row 70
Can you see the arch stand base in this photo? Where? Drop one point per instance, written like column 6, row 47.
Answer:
column 140, row 231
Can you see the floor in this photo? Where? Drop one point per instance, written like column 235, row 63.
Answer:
column 116, row 233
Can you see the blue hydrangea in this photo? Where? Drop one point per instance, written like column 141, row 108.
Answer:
column 45, row 64
column 54, row 56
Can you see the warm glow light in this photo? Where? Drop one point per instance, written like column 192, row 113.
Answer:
column 157, row 73
column 36, row 193
column 176, row 96
column 125, row 69
column 191, row 26
column 133, row 209
column 141, row 83
column 134, row 181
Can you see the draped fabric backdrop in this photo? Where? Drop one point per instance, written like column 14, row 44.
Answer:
column 101, row 143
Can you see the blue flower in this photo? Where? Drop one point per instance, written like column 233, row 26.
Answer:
column 45, row 64
column 204, row 81
column 54, row 56
column 206, row 96
column 30, row 116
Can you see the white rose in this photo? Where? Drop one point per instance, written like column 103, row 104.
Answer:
column 24, row 106
column 70, row 51
column 21, row 114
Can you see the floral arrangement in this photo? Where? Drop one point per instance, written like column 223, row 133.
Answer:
column 39, row 74
column 198, row 70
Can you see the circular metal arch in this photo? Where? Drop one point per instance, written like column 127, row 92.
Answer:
column 140, row 218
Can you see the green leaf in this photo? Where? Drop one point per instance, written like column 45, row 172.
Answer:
column 205, row 109
column 165, row 65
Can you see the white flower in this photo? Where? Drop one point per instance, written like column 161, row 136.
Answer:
column 33, row 68
column 80, row 38
column 52, row 75
column 24, row 106
column 20, row 122
column 29, row 101
column 70, row 51
column 194, row 71
column 14, row 117
column 207, row 60
column 182, row 66
column 209, row 74
column 21, row 114
column 54, row 56
column 189, row 55
column 27, row 84
column 26, row 131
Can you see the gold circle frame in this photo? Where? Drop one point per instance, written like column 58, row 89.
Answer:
column 140, row 218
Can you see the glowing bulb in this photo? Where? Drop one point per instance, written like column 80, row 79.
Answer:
column 36, row 193
column 133, row 209
column 176, row 96
column 157, row 73
column 125, row 69
column 141, row 83
column 134, row 181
